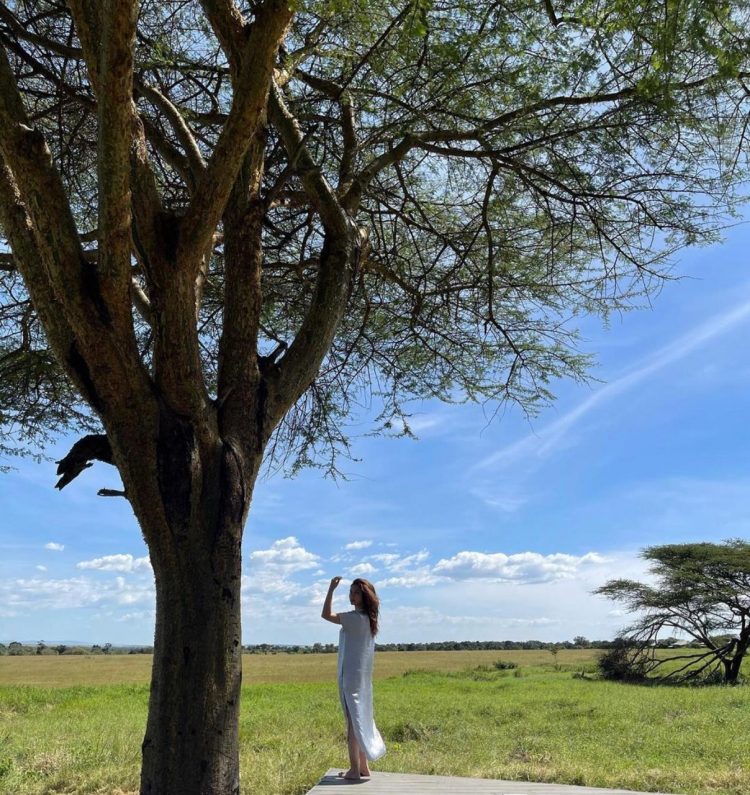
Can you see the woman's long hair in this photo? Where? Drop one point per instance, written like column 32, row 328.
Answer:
column 370, row 602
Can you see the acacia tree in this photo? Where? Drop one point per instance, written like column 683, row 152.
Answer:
column 227, row 223
column 702, row 591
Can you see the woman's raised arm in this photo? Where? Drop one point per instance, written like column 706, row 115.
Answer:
column 327, row 614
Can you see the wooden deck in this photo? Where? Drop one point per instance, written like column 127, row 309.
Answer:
column 392, row 783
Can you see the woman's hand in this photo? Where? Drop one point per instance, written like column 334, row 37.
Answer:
column 334, row 583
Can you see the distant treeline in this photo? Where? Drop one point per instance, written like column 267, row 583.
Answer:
column 17, row 649
column 453, row 645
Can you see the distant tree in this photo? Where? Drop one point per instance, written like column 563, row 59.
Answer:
column 702, row 591
column 107, row 648
column 15, row 649
column 225, row 224
column 61, row 649
column 580, row 642
column 40, row 647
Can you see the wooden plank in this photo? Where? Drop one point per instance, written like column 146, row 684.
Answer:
column 408, row 784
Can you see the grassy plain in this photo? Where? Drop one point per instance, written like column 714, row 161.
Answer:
column 63, row 731
column 53, row 671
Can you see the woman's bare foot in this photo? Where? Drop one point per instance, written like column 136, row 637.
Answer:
column 351, row 775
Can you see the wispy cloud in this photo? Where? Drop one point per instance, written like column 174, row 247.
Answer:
column 54, row 547
column 539, row 445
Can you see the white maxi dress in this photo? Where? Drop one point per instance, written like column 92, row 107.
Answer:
column 356, row 652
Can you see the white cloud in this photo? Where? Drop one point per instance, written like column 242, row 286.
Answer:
column 141, row 616
column 358, row 545
column 124, row 563
column 403, row 563
column 41, row 568
column 506, row 498
column 271, row 570
column 413, row 579
column 24, row 595
column 418, row 617
column 362, row 568
column 407, row 570
column 427, row 421
column 55, row 547
column 286, row 555
column 521, row 567
column 385, row 557
column 527, row 622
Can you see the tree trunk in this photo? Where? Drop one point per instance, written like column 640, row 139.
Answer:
column 191, row 746
column 192, row 735
column 732, row 667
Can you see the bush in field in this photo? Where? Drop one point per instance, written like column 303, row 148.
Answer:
column 621, row 663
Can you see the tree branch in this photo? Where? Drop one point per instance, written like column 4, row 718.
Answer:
column 94, row 447
column 28, row 258
column 43, row 195
column 179, row 125
column 228, row 24
column 245, row 117
column 300, row 364
column 116, row 112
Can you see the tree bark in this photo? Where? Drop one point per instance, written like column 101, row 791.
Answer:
column 732, row 667
column 191, row 745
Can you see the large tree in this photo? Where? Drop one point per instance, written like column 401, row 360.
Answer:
column 227, row 223
column 701, row 591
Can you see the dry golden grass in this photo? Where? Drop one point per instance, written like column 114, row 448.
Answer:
column 69, row 671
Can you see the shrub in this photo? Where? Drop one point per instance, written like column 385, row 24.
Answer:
column 622, row 663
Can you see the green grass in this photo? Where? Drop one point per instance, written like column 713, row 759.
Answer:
column 533, row 723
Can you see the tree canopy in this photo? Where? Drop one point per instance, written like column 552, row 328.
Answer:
column 508, row 167
column 701, row 591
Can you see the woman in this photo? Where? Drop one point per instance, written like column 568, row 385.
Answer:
column 356, row 651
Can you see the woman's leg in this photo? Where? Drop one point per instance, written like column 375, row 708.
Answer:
column 355, row 752
column 354, row 749
column 364, row 768
column 357, row 757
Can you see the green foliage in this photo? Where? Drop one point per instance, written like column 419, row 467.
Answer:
column 702, row 590
column 552, row 162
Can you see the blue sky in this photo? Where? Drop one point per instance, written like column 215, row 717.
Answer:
column 480, row 530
